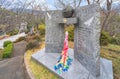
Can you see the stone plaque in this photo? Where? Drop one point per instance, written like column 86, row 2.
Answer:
column 54, row 32
column 86, row 39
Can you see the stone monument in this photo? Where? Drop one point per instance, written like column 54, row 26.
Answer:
column 23, row 27
column 86, row 39
column 87, row 30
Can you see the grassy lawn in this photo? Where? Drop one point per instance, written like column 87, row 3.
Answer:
column 112, row 47
column 112, row 52
column 38, row 70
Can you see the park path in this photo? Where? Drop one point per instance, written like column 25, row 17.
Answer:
column 13, row 68
column 11, row 38
column 19, row 49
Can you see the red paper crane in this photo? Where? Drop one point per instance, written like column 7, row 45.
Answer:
column 65, row 49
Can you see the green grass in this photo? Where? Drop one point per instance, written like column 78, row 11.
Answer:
column 38, row 70
column 113, row 47
column 112, row 52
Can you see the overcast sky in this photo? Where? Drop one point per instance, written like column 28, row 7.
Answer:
column 50, row 3
column 84, row 2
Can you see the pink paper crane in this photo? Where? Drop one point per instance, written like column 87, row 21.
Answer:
column 65, row 49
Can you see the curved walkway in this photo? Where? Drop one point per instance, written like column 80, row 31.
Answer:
column 13, row 68
column 11, row 38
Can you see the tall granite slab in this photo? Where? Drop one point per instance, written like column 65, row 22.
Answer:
column 86, row 39
column 54, row 32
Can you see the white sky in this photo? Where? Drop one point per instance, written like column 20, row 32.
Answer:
column 50, row 3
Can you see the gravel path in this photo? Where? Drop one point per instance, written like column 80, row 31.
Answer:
column 11, row 38
column 19, row 49
column 13, row 68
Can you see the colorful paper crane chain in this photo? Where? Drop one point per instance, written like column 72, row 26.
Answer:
column 64, row 60
column 61, row 67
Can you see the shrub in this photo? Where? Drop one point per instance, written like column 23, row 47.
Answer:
column 13, row 32
column 32, row 44
column 70, row 30
column 115, row 41
column 20, row 39
column 37, row 37
column 105, row 38
column 7, row 51
column 6, row 43
column 41, row 28
column 29, row 26
column 26, row 31
column 34, row 37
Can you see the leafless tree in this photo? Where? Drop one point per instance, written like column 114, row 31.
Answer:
column 13, row 19
column 5, row 15
column 107, row 13
column 63, row 3
column 92, row 1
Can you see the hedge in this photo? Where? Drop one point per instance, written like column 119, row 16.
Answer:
column 32, row 44
column 13, row 32
column 105, row 38
column 19, row 39
column 7, row 51
column 6, row 43
column 41, row 28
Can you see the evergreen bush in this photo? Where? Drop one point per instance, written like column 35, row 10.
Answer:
column 7, row 51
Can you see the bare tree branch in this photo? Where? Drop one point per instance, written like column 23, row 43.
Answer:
column 79, row 3
column 88, row 2
column 63, row 3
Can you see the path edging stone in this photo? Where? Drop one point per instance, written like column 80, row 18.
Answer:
column 29, row 72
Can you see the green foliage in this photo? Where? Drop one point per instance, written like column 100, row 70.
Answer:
column 105, row 38
column 6, row 11
column 13, row 32
column 112, row 52
column 34, row 37
column 41, row 28
column 111, row 47
column 20, row 39
column 32, row 44
column 6, row 43
column 37, row 37
column 115, row 41
column 26, row 31
column 29, row 26
column 118, row 18
column 8, row 51
column 70, row 30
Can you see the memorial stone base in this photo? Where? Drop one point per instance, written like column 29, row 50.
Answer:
column 76, row 70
